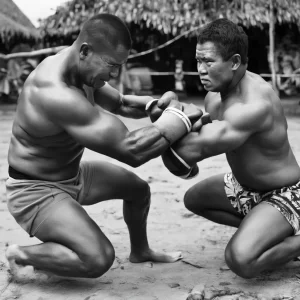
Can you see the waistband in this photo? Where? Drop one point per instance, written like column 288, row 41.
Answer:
column 279, row 189
column 15, row 174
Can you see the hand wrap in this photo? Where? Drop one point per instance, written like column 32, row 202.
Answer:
column 150, row 105
column 173, row 124
column 176, row 165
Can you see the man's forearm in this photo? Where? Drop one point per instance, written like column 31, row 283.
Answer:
column 136, row 101
column 143, row 145
column 132, row 106
column 190, row 149
column 149, row 142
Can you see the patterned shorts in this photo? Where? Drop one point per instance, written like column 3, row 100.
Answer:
column 285, row 199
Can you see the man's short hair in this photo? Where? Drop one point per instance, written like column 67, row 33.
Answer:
column 228, row 37
column 106, row 29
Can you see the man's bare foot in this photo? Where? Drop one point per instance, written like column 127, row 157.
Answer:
column 13, row 253
column 20, row 271
column 151, row 255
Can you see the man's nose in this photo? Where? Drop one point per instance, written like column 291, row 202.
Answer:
column 201, row 69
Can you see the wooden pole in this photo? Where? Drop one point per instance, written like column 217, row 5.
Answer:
column 46, row 51
column 272, row 45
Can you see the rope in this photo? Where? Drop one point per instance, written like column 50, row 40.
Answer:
column 163, row 45
column 57, row 49
column 45, row 51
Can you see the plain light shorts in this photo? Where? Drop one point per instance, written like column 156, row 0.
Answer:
column 27, row 199
column 285, row 199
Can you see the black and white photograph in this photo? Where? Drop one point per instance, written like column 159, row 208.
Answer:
column 150, row 150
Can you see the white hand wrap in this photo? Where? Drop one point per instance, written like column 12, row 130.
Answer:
column 149, row 105
column 173, row 124
column 121, row 101
column 181, row 115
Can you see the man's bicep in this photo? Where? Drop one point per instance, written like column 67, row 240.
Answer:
column 220, row 137
column 102, row 133
column 240, row 122
column 87, row 124
column 223, row 136
column 213, row 139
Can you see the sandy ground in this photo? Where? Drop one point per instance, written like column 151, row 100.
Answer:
column 171, row 227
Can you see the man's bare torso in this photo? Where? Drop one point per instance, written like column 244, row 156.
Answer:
column 39, row 147
column 265, row 161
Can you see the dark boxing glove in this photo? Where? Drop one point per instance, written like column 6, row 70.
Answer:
column 177, row 166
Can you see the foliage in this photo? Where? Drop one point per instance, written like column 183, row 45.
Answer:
column 170, row 16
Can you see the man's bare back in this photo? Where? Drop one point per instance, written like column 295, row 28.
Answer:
column 265, row 160
column 39, row 147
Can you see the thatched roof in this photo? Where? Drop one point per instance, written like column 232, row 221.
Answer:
column 170, row 16
column 13, row 23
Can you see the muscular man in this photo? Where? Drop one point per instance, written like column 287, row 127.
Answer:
column 261, row 195
column 59, row 113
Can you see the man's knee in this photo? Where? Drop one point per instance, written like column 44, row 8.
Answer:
column 141, row 190
column 240, row 260
column 99, row 263
column 192, row 200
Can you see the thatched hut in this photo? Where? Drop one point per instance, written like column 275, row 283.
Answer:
column 17, row 34
column 15, row 27
column 155, row 21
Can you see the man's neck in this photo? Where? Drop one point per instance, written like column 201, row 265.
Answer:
column 71, row 73
column 239, row 75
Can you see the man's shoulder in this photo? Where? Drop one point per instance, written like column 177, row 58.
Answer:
column 211, row 96
column 255, row 96
column 56, row 96
column 254, row 111
column 46, row 86
column 64, row 105
column 257, row 88
column 211, row 100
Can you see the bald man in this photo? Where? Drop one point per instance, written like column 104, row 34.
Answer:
column 62, row 110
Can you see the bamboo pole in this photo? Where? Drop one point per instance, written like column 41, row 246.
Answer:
column 272, row 45
column 46, row 51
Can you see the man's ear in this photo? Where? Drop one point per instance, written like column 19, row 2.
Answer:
column 236, row 61
column 84, row 50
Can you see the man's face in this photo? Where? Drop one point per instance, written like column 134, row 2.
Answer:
column 104, row 65
column 215, row 73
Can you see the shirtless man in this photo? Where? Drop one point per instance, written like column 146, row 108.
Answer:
column 60, row 112
column 261, row 195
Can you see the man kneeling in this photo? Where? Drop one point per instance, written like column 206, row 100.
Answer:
column 60, row 111
column 261, row 196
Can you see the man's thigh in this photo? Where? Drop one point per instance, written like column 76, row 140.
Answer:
column 262, row 228
column 105, row 181
column 69, row 225
column 209, row 194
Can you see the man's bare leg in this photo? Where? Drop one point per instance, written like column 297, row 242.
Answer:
column 78, row 248
column 73, row 243
column 208, row 199
column 37, row 256
column 264, row 240
column 135, row 216
column 119, row 183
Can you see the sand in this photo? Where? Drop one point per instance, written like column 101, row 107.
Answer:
column 202, row 274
